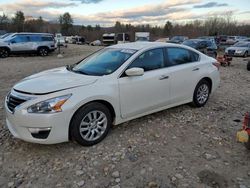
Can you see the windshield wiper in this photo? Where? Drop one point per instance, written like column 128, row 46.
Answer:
column 79, row 72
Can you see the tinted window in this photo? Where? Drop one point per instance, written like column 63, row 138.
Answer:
column 35, row 38
column 150, row 60
column 47, row 38
column 20, row 38
column 178, row 56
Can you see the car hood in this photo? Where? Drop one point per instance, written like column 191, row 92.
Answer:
column 236, row 48
column 52, row 81
column 2, row 42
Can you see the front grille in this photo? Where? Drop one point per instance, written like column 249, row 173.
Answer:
column 13, row 102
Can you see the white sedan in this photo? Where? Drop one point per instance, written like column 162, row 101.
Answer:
column 80, row 102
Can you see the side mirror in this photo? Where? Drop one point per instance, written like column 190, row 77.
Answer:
column 134, row 72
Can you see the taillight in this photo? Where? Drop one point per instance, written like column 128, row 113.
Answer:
column 217, row 64
column 246, row 122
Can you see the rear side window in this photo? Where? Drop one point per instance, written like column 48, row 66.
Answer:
column 47, row 38
column 35, row 38
column 177, row 56
column 150, row 60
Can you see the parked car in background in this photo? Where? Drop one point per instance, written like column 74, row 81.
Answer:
column 162, row 40
column 203, row 45
column 80, row 40
column 96, row 43
column 222, row 39
column 178, row 39
column 234, row 39
column 241, row 49
column 212, row 39
column 82, row 101
column 142, row 36
column 122, row 38
column 40, row 43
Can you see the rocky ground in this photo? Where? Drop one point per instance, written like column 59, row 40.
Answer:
column 179, row 147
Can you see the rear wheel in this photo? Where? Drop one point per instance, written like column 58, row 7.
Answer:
column 201, row 93
column 91, row 124
column 43, row 51
column 4, row 52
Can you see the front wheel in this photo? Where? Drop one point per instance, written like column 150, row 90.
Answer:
column 91, row 124
column 43, row 51
column 201, row 93
column 4, row 53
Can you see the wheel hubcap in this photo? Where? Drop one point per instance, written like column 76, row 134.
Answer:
column 93, row 125
column 202, row 94
column 43, row 52
column 3, row 53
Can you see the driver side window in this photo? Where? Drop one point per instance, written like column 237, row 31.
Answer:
column 150, row 60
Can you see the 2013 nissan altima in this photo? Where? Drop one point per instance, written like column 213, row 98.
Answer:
column 80, row 102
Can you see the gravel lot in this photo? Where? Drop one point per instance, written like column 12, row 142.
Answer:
column 179, row 147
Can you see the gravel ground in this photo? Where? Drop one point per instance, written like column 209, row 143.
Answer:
column 179, row 147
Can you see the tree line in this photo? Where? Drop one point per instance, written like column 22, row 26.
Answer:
column 212, row 26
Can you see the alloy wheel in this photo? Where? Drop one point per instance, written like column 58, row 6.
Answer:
column 202, row 93
column 93, row 125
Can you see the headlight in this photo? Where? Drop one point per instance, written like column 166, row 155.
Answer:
column 50, row 105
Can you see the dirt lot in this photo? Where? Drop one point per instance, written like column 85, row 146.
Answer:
column 179, row 147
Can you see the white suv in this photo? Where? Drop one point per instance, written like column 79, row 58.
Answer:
column 111, row 86
column 40, row 43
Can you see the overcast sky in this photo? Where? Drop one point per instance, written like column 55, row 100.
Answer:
column 106, row 12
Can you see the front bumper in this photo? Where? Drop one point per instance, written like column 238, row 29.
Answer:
column 21, row 123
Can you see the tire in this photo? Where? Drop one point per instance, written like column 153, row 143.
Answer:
column 248, row 66
column 247, row 145
column 245, row 54
column 43, row 51
column 81, row 120
column 201, row 93
column 4, row 53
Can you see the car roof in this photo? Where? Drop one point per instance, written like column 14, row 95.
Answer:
column 29, row 33
column 143, row 45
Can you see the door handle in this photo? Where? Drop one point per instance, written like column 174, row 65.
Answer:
column 163, row 77
column 196, row 69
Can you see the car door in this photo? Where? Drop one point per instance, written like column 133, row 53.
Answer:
column 140, row 94
column 184, row 67
column 19, row 43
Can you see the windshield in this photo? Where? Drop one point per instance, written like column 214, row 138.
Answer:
column 190, row 43
column 103, row 62
column 241, row 44
column 5, row 35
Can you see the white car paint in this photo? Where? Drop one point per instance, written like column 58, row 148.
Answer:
column 130, row 97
